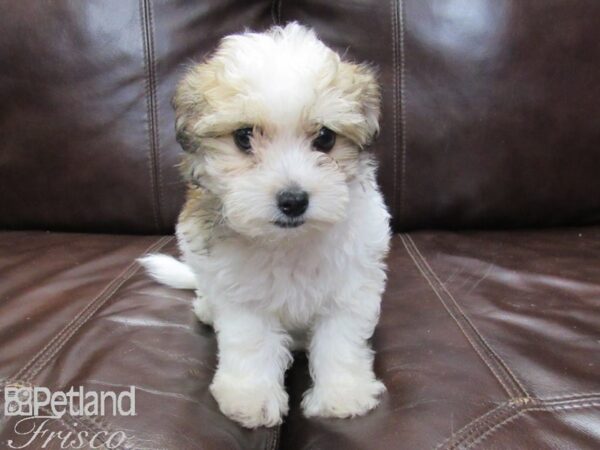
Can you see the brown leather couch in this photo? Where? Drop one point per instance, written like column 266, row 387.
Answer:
column 490, row 330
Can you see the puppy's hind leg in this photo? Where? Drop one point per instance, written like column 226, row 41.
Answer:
column 203, row 308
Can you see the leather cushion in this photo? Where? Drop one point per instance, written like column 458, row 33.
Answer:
column 488, row 118
column 88, row 140
column 77, row 310
column 486, row 340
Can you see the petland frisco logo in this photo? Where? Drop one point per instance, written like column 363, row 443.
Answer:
column 38, row 406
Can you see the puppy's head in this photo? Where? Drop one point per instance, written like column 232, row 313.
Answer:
column 274, row 124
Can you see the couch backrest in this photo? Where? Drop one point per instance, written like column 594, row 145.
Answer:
column 491, row 107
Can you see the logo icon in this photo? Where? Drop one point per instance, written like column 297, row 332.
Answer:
column 37, row 405
column 18, row 401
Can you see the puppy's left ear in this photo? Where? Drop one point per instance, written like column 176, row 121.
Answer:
column 363, row 79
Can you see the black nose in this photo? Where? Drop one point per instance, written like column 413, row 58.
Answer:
column 292, row 202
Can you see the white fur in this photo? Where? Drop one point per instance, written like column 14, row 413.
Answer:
column 268, row 290
column 167, row 270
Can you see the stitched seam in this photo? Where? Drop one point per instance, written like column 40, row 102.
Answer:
column 402, row 110
column 489, row 347
column 487, row 422
column 273, row 442
column 594, row 398
column 479, row 426
column 483, row 436
column 101, row 301
column 513, row 378
column 158, row 166
column 393, row 5
column 147, row 26
column 468, row 428
column 35, row 364
column 456, row 320
column 505, row 371
column 447, row 308
column 570, row 397
column 276, row 11
column 487, row 433
column 59, row 336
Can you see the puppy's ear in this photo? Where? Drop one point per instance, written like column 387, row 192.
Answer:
column 190, row 105
column 361, row 80
column 370, row 99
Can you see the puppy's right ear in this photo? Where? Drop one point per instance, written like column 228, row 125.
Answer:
column 190, row 105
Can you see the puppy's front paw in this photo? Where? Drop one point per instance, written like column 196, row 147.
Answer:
column 347, row 399
column 249, row 403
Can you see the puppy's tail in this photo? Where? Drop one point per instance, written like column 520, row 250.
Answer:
column 168, row 270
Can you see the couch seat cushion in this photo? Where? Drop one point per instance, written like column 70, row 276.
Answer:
column 486, row 340
column 77, row 310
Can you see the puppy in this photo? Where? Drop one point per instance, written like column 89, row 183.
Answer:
column 284, row 231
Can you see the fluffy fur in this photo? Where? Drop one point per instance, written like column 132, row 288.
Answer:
column 267, row 289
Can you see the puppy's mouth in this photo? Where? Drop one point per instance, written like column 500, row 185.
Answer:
column 288, row 223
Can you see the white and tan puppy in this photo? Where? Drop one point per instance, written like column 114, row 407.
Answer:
column 284, row 231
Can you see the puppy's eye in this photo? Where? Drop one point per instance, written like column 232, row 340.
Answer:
column 242, row 137
column 325, row 140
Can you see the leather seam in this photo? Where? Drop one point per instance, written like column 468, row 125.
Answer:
column 51, row 349
column 461, row 326
column 480, row 425
column 568, row 397
column 402, row 111
column 516, row 414
column 485, row 421
column 520, row 389
column 472, row 426
column 131, row 270
column 156, row 121
column 394, row 30
column 147, row 25
column 473, row 429
column 273, row 443
column 276, row 11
